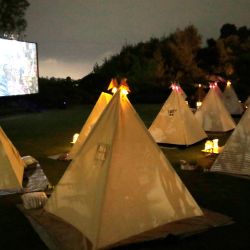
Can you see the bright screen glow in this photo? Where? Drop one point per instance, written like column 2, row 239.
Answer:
column 18, row 68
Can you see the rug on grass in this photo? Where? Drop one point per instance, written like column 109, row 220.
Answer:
column 34, row 179
column 58, row 234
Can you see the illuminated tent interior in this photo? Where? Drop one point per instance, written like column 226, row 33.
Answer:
column 120, row 184
column 213, row 115
column 231, row 100
column 235, row 157
column 175, row 123
column 11, row 164
column 101, row 103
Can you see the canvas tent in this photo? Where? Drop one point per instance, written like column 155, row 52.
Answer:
column 175, row 123
column 120, row 184
column 100, row 105
column 182, row 92
column 11, row 164
column 235, row 157
column 231, row 100
column 213, row 115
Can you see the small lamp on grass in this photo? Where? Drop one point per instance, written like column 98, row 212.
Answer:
column 198, row 104
column 211, row 146
column 75, row 137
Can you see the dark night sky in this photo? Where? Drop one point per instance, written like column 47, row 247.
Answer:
column 73, row 35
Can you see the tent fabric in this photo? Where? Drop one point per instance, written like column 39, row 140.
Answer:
column 101, row 103
column 59, row 235
column 11, row 164
column 176, row 123
column 120, row 184
column 231, row 101
column 235, row 157
column 213, row 115
column 217, row 90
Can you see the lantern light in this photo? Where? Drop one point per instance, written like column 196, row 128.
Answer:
column 113, row 86
column 211, row 146
column 215, row 146
column 198, row 104
column 124, row 87
column 228, row 83
column 75, row 137
column 114, row 90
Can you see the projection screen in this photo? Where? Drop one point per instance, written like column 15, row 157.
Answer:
column 18, row 68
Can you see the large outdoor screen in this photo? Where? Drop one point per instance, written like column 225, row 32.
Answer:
column 18, row 68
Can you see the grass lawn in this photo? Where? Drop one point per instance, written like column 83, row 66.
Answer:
column 50, row 132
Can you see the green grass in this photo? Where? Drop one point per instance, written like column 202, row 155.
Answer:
column 50, row 132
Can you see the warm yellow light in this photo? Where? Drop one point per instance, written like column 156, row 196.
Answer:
column 113, row 86
column 75, row 137
column 124, row 87
column 199, row 85
column 215, row 146
column 211, row 146
column 124, row 91
column 208, row 146
column 198, row 104
column 228, row 83
column 114, row 90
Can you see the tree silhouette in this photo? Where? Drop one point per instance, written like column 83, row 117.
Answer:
column 12, row 17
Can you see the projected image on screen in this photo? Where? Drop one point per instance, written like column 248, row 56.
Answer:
column 18, row 68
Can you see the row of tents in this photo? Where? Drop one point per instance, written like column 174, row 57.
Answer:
column 175, row 122
column 119, row 183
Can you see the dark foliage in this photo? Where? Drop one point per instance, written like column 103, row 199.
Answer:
column 12, row 17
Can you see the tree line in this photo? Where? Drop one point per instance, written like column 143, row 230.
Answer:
column 150, row 66
column 180, row 57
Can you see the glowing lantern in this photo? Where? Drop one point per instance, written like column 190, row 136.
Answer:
column 211, row 146
column 174, row 86
column 124, row 87
column 113, row 86
column 228, row 83
column 75, row 137
column 216, row 146
column 208, row 146
column 198, row 104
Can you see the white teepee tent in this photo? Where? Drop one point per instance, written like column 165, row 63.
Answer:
column 213, row 115
column 11, row 164
column 120, row 184
column 100, row 105
column 235, row 157
column 175, row 123
column 182, row 92
column 231, row 100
